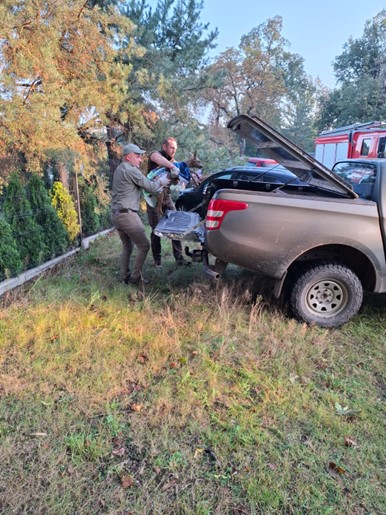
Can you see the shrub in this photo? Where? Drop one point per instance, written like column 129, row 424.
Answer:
column 105, row 218
column 88, row 209
column 27, row 233
column 64, row 206
column 55, row 233
column 10, row 262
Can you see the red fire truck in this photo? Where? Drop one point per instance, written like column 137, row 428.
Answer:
column 361, row 140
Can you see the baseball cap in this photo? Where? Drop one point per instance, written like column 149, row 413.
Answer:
column 131, row 148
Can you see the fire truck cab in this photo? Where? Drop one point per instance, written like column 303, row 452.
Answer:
column 360, row 140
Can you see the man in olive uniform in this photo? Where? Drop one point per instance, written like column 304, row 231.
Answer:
column 126, row 195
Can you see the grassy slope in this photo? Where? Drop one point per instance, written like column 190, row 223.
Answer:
column 185, row 398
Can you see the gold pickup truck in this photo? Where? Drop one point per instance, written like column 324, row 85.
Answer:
column 323, row 242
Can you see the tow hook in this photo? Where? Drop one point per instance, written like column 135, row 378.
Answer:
column 195, row 254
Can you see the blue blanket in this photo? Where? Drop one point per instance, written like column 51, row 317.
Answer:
column 182, row 166
column 183, row 180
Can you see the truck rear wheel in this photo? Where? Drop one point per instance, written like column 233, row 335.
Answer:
column 327, row 295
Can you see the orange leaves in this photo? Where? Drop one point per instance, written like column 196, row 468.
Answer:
column 127, row 481
column 333, row 468
column 136, row 407
column 143, row 358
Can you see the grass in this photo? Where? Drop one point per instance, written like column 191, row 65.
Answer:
column 187, row 397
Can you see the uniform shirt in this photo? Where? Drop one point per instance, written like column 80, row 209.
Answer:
column 127, row 183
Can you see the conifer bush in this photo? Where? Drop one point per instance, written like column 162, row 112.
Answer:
column 55, row 234
column 27, row 233
column 10, row 262
column 64, row 206
column 105, row 218
column 88, row 209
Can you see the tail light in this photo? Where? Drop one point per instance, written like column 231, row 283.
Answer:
column 217, row 210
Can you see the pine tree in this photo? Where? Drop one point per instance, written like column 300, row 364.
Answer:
column 60, row 74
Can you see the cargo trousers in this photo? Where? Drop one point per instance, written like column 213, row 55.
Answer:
column 132, row 233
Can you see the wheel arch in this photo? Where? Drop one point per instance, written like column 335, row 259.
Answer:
column 350, row 257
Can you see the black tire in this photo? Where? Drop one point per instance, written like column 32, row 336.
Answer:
column 327, row 295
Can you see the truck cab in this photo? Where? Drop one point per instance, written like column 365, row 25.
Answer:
column 367, row 140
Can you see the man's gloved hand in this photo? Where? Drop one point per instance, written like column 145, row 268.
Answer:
column 164, row 182
column 174, row 172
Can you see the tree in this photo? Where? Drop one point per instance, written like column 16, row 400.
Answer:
column 55, row 234
column 299, row 106
column 60, row 75
column 10, row 262
column 166, row 79
column 361, row 75
column 28, row 235
column 62, row 202
column 176, row 42
column 261, row 78
column 88, row 209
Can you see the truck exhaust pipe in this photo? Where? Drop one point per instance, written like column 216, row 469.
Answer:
column 215, row 270
column 208, row 269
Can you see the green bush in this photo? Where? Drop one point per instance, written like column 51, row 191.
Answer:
column 27, row 233
column 88, row 209
column 105, row 218
column 64, row 206
column 10, row 262
column 55, row 234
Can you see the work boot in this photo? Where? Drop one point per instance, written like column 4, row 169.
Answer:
column 141, row 280
column 180, row 261
column 126, row 279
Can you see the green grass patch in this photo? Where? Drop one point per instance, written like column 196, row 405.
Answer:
column 186, row 397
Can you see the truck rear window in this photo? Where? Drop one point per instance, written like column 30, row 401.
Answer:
column 361, row 176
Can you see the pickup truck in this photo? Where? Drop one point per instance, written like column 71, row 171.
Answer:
column 322, row 242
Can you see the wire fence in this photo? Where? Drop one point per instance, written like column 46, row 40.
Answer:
column 96, row 219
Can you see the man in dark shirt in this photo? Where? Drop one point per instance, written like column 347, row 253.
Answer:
column 127, row 184
column 163, row 158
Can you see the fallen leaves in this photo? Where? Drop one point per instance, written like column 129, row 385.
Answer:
column 143, row 358
column 119, row 451
column 136, row 407
column 336, row 469
column 127, row 481
column 350, row 442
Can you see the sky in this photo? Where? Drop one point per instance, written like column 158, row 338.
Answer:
column 316, row 31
